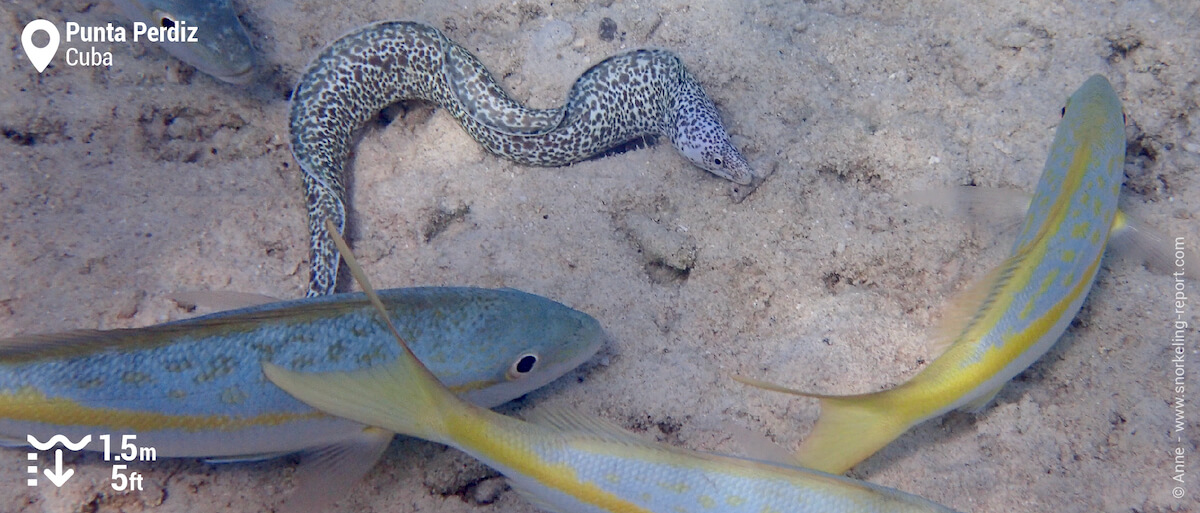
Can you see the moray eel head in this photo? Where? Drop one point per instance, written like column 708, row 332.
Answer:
column 700, row 137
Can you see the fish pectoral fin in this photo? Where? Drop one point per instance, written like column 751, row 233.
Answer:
column 1000, row 211
column 219, row 300
column 249, row 458
column 326, row 474
column 1003, row 210
column 960, row 310
column 755, row 445
column 400, row 396
column 978, row 404
column 535, row 499
column 1130, row 238
column 13, row 442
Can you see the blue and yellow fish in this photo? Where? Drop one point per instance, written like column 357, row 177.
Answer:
column 1017, row 313
column 195, row 388
column 570, row 463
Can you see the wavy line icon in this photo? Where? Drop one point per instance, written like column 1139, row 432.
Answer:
column 59, row 439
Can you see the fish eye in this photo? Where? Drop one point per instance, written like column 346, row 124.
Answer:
column 165, row 19
column 718, row 161
column 524, row 365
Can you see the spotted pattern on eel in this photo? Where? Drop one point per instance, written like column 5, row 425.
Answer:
column 622, row 98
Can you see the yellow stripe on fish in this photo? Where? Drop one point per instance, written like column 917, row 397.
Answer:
column 1017, row 313
column 30, row 405
column 568, row 463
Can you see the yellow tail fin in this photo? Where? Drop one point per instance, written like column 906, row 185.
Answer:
column 850, row 428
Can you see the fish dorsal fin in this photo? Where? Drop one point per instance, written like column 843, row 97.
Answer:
column 218, row 300
column 961, row 310
column 571, row 421
column 83, row 342
column 87, row 341
column 58, row 344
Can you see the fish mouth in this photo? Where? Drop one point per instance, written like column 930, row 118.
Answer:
column 239, row 76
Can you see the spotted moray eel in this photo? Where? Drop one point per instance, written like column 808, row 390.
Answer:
column 625, row 97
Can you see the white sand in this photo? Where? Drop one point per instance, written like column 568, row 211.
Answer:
column 148, row 179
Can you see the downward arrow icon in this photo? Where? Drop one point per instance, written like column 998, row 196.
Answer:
column 58, row 477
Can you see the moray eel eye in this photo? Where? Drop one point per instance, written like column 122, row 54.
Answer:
column 525, row 364
column 718, row 161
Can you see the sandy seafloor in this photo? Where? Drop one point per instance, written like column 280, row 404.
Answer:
column 121, row 186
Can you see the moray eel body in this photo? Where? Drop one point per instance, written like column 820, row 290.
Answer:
column 1013, row 316
column 625, row 97
column 222, row 48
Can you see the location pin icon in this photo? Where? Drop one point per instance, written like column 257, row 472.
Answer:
column 40, row 57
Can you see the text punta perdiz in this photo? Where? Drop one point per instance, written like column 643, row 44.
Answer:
column 179, row 33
